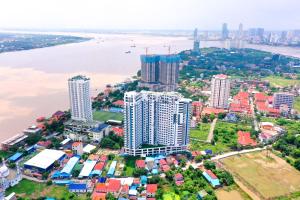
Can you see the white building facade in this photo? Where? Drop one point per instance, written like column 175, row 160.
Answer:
column 80, row 98
column 156, row 118
column 220, row 91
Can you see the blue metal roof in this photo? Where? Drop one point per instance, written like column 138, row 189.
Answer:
column 77, row 186
column 112, row 168
column 70, row 165
column 99, row 128
column 15, row 157
column 102, row 180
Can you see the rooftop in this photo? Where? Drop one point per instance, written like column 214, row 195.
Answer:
column 79, row 77
column 45, row 158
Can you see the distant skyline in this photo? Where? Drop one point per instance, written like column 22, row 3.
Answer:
column 149, row 14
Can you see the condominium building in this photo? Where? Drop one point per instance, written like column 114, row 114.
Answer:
column 156, row 118
column 281, row 99
column 220, row 91
column 160, row 72
column 80, row 98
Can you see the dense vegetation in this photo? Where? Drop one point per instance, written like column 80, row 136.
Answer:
column 18, row 42
column 235, row 62
column 289, row 144
column 112, row 141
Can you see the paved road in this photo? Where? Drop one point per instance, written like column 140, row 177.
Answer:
column 211, row 131
column 225, row 155
column 253, row 114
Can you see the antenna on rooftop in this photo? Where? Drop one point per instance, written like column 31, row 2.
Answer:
column 146, row 50
column 169, row 49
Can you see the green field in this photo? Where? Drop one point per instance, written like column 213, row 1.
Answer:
column 171, row 196
column 104, row 116
column 200, row 132
column 278, row 81
column 32, row 190
column 268, row 176
column 297, row 104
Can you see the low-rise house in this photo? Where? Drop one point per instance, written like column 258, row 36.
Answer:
column 211, row 178
column 143, row 180
column 77, row 187
column 269, row 132
column 140, row 164
column 118, row 131
column 244, row 139
column 114, row 187
column 44, row 144
column 201, row 194
column 58, row 115
column 98, row 196
column 99, row 132
column 178, row 178
column 151, row 190
column 77, row 148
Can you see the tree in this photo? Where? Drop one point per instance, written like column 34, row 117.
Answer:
column 110, row 196
column 209, row 165
column 139, row 172
column 198, row 158
column 297, row 164
column 212, row 116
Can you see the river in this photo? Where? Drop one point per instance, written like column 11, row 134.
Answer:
column 33, row 83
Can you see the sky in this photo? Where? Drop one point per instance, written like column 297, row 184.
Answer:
column 149, row 14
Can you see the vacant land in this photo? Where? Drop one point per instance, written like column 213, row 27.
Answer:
column 268, row 176
column 201, row 132
column 277, row 81
column 297, row 104
column 103, row 116
column 33, row 190
column 231, row 192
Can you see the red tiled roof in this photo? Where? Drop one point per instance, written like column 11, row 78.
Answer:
column 165, row 168
column 98, row 196
column 260, row 97
column 103, row 158
column 100, row 187
column 211, row 174
column 162, row 162
column 119, row 103
column 140, row 163
column 178, row 177
column 197, row 103
column 118, row 131
column 114, row 185
column 221, row 76
column 208, row 111
column 125, row 189
column 99, row 166
column 75, row 144
column 44, row 143
column 244, row 138
column 151, row 188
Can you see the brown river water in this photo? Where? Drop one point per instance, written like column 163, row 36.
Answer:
column 33, row 83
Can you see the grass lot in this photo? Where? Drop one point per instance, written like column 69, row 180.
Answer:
column 201, row 132
column 268, row 177
column 171, row 196
column 231, row 192
column 130, row 165
column 104, row 116
column 33, row 190
column 297, row 104
column 225, row 137
column 277, row 81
